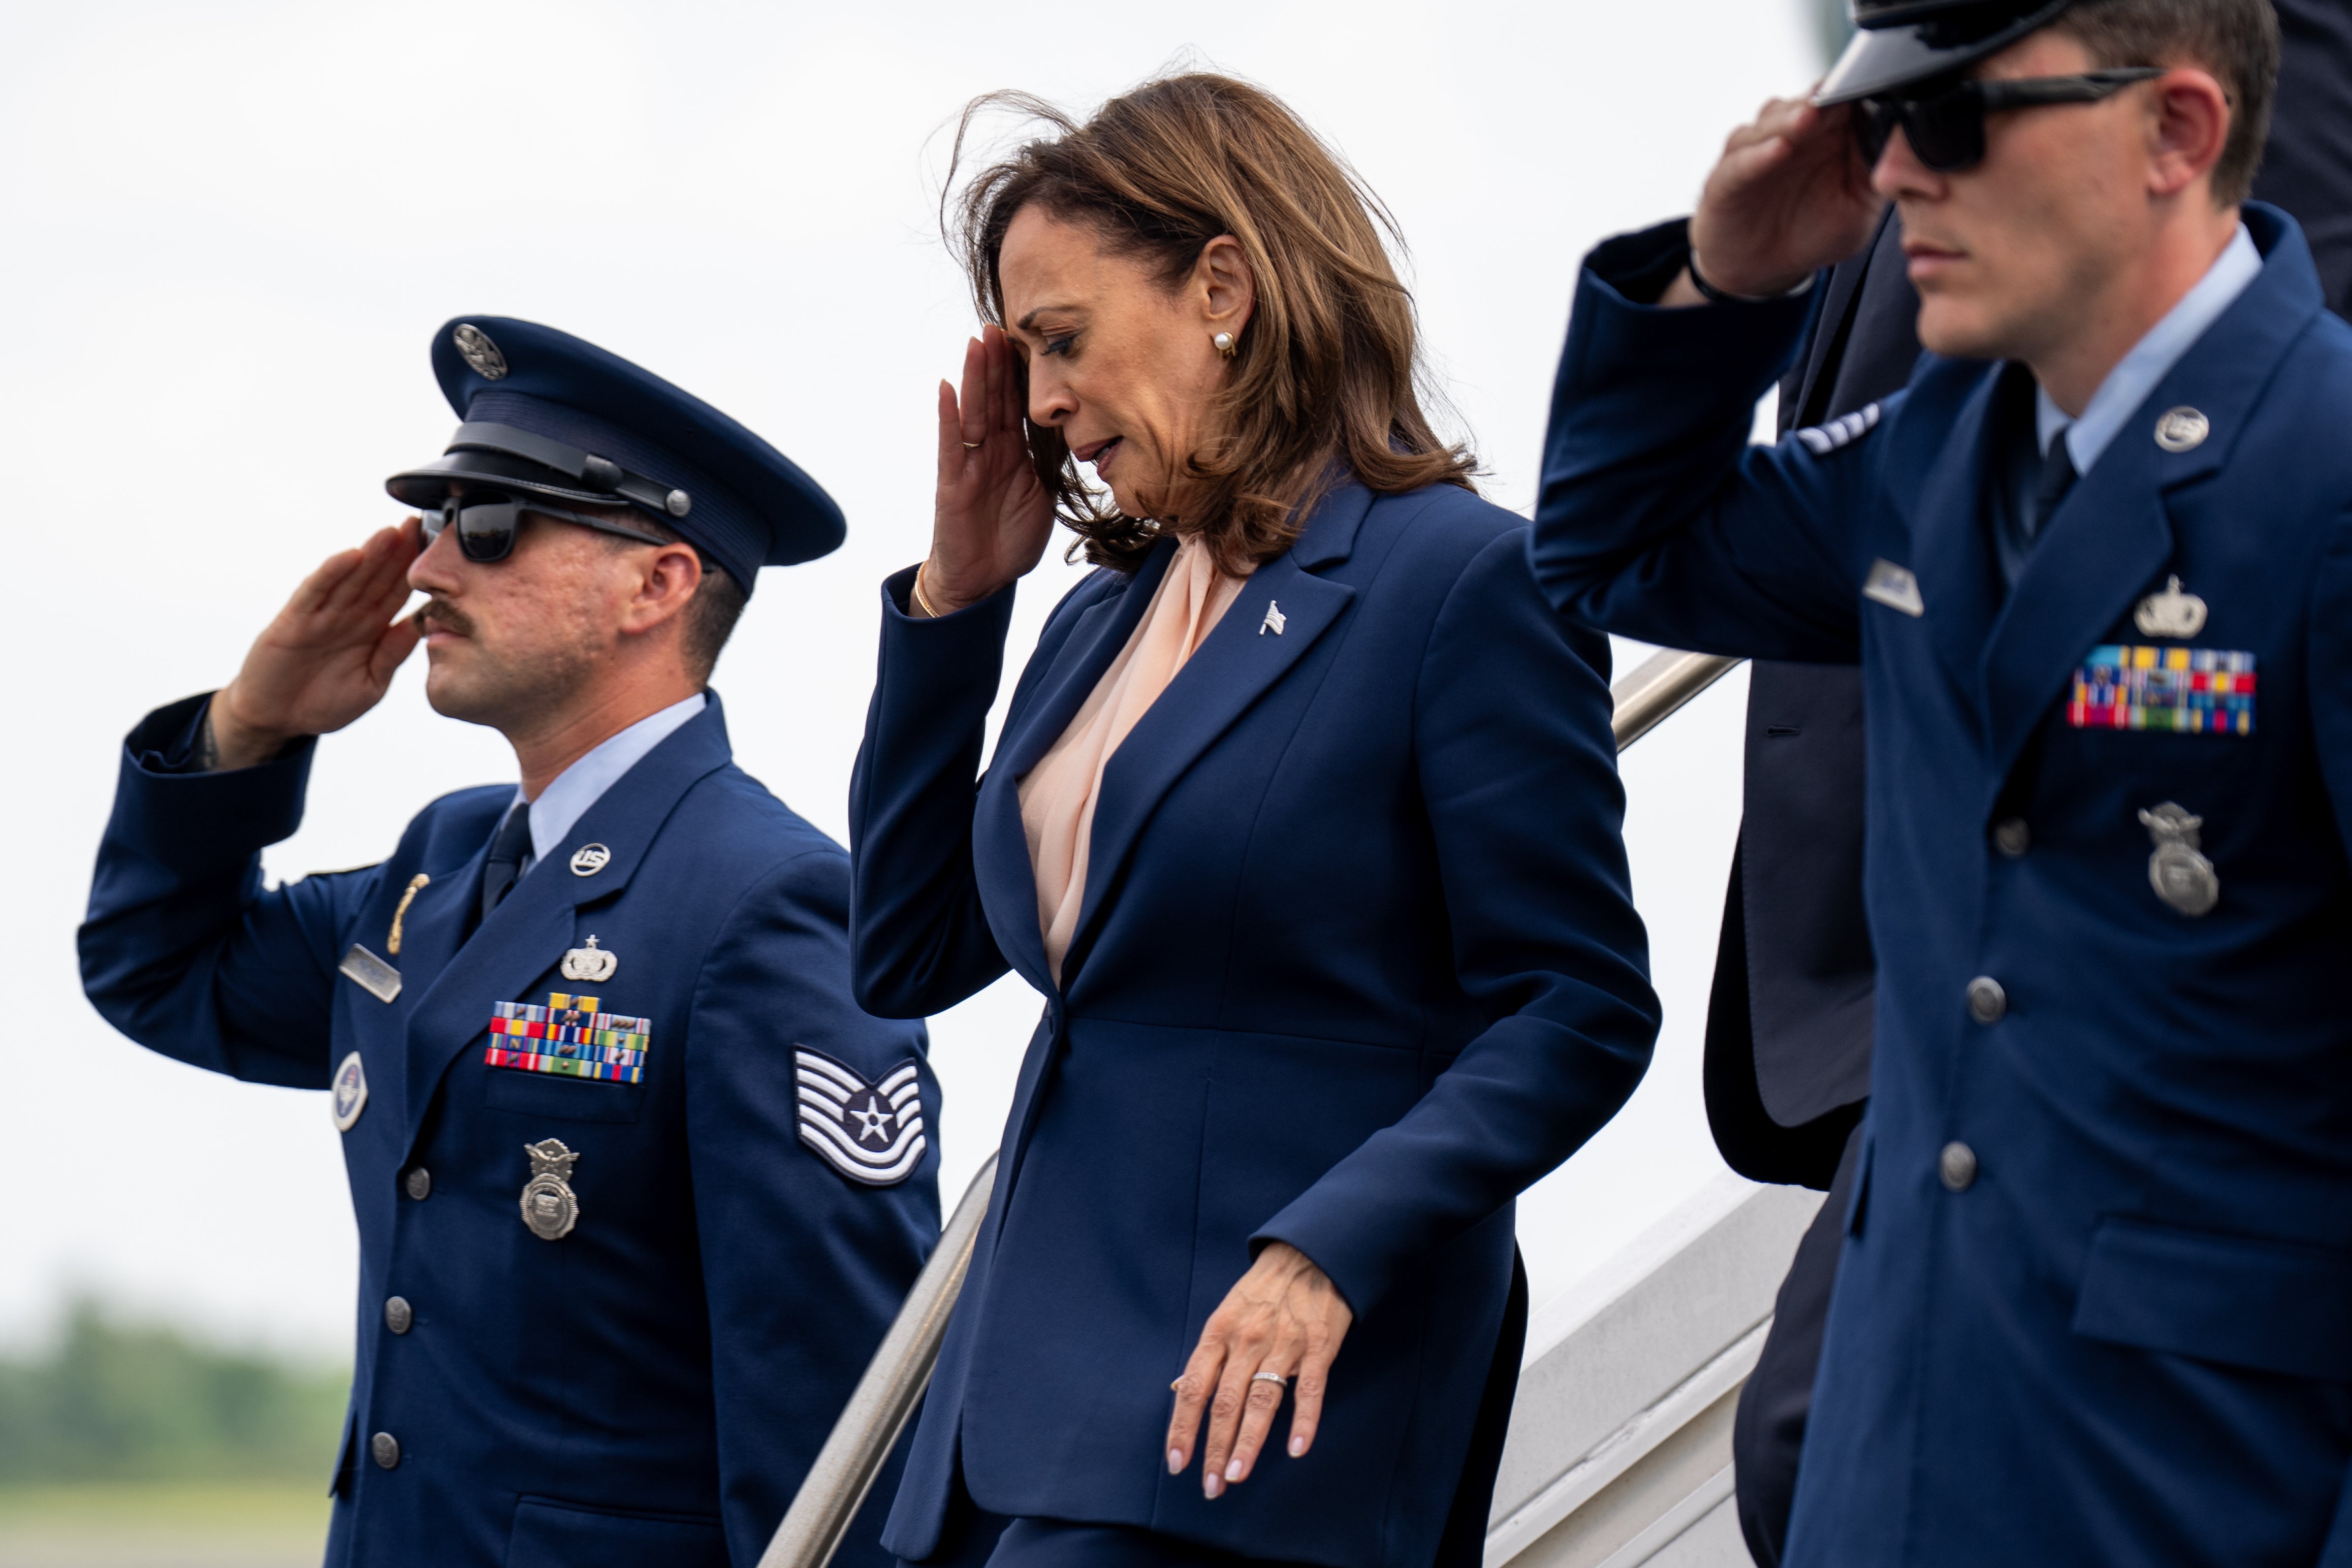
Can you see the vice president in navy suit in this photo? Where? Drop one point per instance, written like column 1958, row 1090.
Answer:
column 2094, row 563
column 639, row 1187
column 1305, row 822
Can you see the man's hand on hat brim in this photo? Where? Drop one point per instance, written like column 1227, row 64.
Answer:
column 1789, row 196
column 325, row 659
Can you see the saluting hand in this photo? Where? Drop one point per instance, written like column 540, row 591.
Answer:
column 1284, row 1316
column 1790, row 195
column 326, row 659
column 994, row 514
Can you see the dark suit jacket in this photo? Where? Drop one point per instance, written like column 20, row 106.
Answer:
column 1358, row 961
column 652, row 1386
column 2093, row 1297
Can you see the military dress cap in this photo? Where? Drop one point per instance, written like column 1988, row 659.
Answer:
column 1901, row 42
column 550, row 414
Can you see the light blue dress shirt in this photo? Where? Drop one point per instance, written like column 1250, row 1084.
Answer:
column 567, row 799
column 2150, row 360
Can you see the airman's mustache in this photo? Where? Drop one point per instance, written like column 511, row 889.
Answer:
column 441, row 613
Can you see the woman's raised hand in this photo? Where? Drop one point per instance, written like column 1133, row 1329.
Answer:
column 1283, row 1317
column 994, row 514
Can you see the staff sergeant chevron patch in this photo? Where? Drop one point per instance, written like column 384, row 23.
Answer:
column 1820, row 440
column 870, row 1132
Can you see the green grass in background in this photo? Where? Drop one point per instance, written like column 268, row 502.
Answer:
column 133, row 1444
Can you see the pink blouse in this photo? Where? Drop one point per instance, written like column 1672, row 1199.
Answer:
column 1058, row 796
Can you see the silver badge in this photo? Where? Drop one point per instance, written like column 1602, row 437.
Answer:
column 377, row 978
column 590, row 963
column 2182, row 876
column 550, row 1207
column 2171, row 614
column 590, row 859
column 475, row 345
column 349, row 1092
column 2183, row 429
column 1894, row 586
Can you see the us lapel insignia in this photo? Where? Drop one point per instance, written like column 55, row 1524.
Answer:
column 590, row 859
column 377, row 978
column 1894, row 586
column 349, row 1092
column 2183, row 429
column 2171, row 614
column 591, row 963
column 870, row 1132
column 550, row 1207
column 1275, row 620
column 2182, row 876
column 569, row 1039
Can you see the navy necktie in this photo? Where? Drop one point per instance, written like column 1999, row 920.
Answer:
column 505, row 856
column 2050, row 487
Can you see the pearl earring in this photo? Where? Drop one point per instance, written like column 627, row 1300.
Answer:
column 1225, row 342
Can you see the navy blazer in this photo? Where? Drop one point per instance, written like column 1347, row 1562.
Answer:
column 652, row 1386
column 2095, row 1299
column 1357, row 962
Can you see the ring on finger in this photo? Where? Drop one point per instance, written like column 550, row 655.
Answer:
column 975, row 446
column 1269, row 1377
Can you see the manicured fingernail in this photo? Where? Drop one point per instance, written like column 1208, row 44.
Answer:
column 1233, row 1469
column 1211, row 1484
column 1175, row 1461
column 1298, row 1446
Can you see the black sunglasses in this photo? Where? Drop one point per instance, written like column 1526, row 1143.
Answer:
column 1947, row 129
column 488, row 523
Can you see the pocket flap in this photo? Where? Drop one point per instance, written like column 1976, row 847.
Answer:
column 2273, row 1306
column 550, row 1534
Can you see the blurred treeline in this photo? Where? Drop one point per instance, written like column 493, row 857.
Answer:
column 114, row 1398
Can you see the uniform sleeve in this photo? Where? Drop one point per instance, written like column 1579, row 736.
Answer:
column 2330, row 663
column 919, row 938
column 1519, row 768
column 182, row 949
column 1657, row 518
column 805, row 1266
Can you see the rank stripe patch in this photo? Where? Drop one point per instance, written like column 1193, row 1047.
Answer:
column 871, row 1133
column 2188, row 691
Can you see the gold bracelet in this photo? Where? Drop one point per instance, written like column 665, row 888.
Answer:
column 923, row 599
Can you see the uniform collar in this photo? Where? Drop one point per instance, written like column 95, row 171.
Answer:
column 562, row 804
column 2151, row 359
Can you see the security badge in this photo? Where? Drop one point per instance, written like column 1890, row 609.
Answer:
column 550, row 1207
column 2182, row 876
column 870, row 1132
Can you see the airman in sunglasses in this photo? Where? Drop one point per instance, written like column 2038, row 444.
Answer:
column 2094, row 563
column 590, row 1041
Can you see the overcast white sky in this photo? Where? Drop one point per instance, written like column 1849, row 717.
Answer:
column 231, row 230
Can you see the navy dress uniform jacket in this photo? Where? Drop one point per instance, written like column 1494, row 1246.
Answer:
column 2122, row 1331
column 652, row 1386
column 1357, row 962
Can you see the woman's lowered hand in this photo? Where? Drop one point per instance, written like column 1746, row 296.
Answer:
column 993, row 514
column 1285, row 1318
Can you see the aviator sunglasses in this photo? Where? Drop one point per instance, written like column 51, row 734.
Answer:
column 1947, row 129
column 488, row 523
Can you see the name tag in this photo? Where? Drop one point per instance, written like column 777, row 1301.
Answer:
column 1894, row 586
column 2185, row 691
column 569, row 1038
column 377, row 978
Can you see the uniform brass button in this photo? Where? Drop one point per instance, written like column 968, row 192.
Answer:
column 2011, row 837
column 419, row 1183
column 1987, row 1000
column 397, row 1314
column 385, row 1449
column 1957, row 1167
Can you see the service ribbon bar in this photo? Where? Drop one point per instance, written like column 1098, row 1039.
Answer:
column 2189, row 691
column 569, row 1038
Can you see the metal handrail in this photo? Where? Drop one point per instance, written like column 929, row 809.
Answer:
column 885, row 1397
column 894, row 1379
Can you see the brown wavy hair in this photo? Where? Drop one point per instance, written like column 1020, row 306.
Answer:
column 1327, row 377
